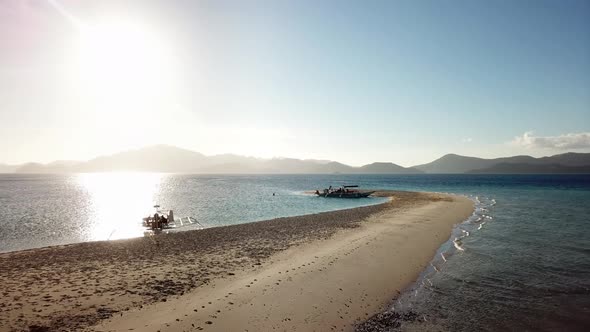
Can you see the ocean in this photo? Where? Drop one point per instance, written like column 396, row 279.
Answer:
column 521, row 262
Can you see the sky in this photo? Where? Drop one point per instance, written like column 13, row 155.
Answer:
column 352, row 81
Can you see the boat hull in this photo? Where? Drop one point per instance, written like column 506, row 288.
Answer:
column 346, row 195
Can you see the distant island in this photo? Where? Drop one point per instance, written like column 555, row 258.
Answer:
column 170, row 159
column 558, row 164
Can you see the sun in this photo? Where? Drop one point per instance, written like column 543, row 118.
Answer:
column 124, row 70
column 118, row 56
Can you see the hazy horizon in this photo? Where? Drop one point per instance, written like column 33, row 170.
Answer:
column 539, row 155
column 254, row 157
column 404, row 82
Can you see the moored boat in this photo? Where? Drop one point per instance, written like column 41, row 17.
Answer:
column 159, row 220
column 164, row 219
column 344, row 192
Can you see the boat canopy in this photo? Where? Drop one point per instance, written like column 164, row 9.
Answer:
column 353, row 186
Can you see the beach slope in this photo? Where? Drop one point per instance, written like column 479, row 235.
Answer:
column 322, row 285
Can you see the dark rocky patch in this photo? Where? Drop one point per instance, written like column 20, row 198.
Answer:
column 386, row 321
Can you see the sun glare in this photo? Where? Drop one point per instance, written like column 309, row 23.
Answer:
column 119, row 201
column 122, row 58
column 124, row 72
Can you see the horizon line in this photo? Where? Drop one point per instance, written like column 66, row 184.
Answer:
column 267, row 158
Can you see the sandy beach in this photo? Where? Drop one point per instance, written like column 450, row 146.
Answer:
column 320, row 272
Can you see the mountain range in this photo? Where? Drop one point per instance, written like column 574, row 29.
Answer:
column 562, row 163
column 170, row 159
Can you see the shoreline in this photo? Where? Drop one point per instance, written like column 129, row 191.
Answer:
column 196, row 230
column 117, row 284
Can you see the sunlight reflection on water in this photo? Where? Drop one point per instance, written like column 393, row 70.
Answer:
column 118, row 202
column 38, row 210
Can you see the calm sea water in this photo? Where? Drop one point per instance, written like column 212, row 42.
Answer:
column 520, row 263
column 43, row 210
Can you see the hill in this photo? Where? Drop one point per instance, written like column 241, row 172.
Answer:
column 157, row 158
column 7, row 168
column 453, row 164
column 507, row 168
column 386, row 168
column 60, row 166
column 170, row 159
column 568, row 159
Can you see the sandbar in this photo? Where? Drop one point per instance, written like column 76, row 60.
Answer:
column 319, row 272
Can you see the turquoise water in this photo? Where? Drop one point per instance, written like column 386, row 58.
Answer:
column 520, row 263
column 523, row 259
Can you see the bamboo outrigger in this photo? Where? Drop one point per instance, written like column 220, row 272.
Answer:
column 164, row 219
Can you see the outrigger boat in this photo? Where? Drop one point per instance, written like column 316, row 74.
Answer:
column 343, row 192
column 164, row 219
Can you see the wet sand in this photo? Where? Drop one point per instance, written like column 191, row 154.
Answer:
column 316, row 272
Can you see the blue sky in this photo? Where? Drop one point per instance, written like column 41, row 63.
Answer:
column 353, row 81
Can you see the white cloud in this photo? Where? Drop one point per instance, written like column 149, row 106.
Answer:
column 563, row 142
column 467, row 140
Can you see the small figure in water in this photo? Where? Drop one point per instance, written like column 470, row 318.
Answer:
column 273, row 194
